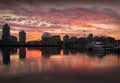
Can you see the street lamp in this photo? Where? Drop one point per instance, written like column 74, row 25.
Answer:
column 84, row 33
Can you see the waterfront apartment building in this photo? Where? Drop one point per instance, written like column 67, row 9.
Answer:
column 22, row 37
column 6, row 33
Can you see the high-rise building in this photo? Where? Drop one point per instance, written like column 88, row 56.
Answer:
column 6, row 33
column 22, row 37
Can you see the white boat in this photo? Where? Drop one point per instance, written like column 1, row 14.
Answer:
column 96, row 46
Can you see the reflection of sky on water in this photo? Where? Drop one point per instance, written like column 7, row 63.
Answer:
column 35, row 62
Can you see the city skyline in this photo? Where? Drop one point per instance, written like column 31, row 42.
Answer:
column 45, row 37
column 100, row 17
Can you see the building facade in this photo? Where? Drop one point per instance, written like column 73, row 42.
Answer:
column 6, row 33
column 13, row 39
column 22, row 37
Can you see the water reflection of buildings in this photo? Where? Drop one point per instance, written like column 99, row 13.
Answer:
column 22, row 52
column 61, row 64
column 66, row 51
column 47, row 52
column 6, row 55
column 73, row 51
column 99, row 54
column 8, row 51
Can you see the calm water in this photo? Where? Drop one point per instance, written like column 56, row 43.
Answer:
column 17, row 61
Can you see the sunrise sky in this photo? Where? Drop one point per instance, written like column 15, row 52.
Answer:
column 60, row 17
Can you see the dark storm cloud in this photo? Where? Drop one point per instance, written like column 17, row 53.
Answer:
column 60, row 4
column 32, row 2
column 36, row 1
